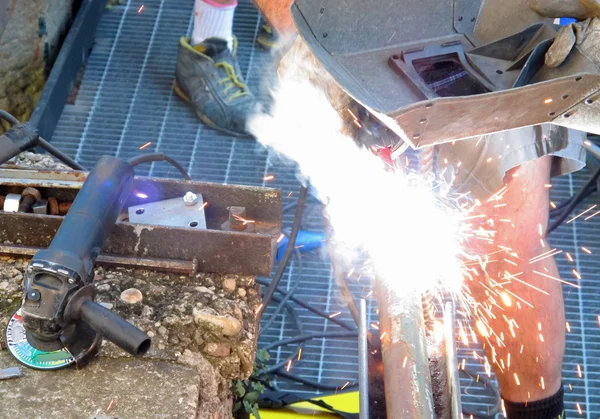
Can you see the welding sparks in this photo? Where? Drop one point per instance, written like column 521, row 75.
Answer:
column 281, row 236
column 579, row 409
column 582, row 213
column 345, row 385
column 517, row 379
column 404, row 362
column 579, row 371
column 568, row 327
column 243, row 220
column 556, row 279
column 148, row 144
column 548, row 101
column 268, row 178
column 576, row 274
column 204, row 205
column 258, row 309
column 141, row 8
column 586, row 250
column 299, row 354
column 316, row 136
column 141, row 195
column 289, row 365
column 568, row 256
column 331, row 316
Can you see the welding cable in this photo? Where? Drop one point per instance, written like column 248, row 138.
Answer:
column 577, row 199
column 310, row 336
column 5, row 116
column 301, row 339
column 310, row 308
column 156, row 157
column 300, row 328
column 291, row 292
column 288, row 249
column 314, row 384
column 590, row 188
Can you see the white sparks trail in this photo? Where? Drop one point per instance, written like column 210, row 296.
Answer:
column 393, row 216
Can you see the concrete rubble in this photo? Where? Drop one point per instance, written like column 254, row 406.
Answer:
column 204, row 333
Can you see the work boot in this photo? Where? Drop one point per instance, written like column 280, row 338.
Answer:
column 209, row 78
column 267, row 39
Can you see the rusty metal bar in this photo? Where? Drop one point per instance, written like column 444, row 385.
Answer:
column 211, row 250
column 404, row 349
column 166, row 265
column 215, row 251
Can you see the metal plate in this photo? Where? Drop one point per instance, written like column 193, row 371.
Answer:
column 448, row 119
column 27, row 355
column 170, row 212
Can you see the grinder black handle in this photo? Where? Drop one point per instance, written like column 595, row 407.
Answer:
column 115, row 328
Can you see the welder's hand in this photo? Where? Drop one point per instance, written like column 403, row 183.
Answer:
column 584, row 34
column 577, row 9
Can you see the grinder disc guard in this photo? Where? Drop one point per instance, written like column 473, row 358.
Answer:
column 27, row 355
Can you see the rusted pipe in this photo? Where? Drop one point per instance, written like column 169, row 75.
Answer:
column 404, row 349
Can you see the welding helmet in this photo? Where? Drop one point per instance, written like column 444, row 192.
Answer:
column 444, row 70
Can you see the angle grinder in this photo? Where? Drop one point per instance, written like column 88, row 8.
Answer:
column 59, row 323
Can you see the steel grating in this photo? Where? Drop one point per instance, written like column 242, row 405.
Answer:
column 125, row 100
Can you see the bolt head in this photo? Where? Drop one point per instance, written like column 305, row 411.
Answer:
column 71, row 281
column 190, row 199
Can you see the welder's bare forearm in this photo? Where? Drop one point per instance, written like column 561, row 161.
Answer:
column 277, row 13
column 528, row 337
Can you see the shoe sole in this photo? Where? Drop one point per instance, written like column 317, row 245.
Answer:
column 205, row 119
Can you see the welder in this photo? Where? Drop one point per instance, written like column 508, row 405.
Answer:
column 519, row 163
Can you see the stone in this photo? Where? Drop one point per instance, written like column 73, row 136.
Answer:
column 229, row 285
column 219, row 350
column 147, row 311
column 103, row 287
column 204, row 290
column 198, row 337
column 241, row 292
column 133, row 388
column 131, row 296
column 162, row 331
column 226, row 325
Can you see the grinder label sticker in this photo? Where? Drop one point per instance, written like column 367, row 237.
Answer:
column 27, row 354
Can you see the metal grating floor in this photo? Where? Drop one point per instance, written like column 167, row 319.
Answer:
column 125, row 100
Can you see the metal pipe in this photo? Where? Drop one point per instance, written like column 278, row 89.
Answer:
column 404, row 350
column 363, row 362
column 452, row 361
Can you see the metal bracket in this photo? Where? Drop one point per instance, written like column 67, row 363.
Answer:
column 170, row 212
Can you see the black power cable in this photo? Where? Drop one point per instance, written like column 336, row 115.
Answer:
column 156, row 157
column 310, row 308
column 289, row 295
column 576, row 200
column 288, row 250
column 8, row 118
